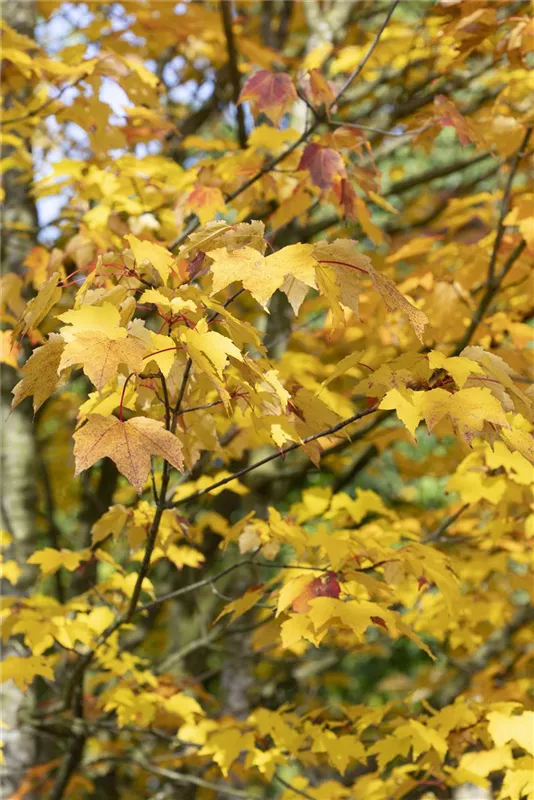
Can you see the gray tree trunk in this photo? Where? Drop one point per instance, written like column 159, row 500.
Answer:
column 18, row 444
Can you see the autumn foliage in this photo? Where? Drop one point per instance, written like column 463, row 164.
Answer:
column 267, row 325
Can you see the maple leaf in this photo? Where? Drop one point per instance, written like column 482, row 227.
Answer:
column 153, row 253
column 347, row 198
column 344, row 266
column 23, row 670
column 504, row 728
column 460, row 369
column 448, row 115
column 10, row 349
column 243, row 604
column 468, row 410
column 40, row 373
column 209, row 351
column 95, row 340
column 225, row 746
column 327, row 586
column 205, row 202
column 320, row 90
column 101, row 357
column 395, row 301
column 39, row 306
column 269, row 92
column 401, row 401
column 323, row 164
column 50, row 560
column 112, row 522
column 263, row 276
column 364, row 218
column 129, row 444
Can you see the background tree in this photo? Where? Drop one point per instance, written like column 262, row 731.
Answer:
column 274, row 329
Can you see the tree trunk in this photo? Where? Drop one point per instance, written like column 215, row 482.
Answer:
column 18, row 443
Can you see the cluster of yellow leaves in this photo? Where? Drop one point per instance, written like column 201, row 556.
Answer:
column 350, row 571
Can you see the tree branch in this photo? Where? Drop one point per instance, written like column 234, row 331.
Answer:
column 175, row 777
column 506, row 203
column 492, row 288
column 294, row 789
column 354, row 74
column 273, row 162
column 279, row 454
column 495, row 645
column 227, row 12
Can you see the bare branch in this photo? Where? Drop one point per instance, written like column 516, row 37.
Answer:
column 506, row 203
column 273, row 456
column 354, row 74
column 436, row 535
column 294, row 789
column 273, row 162
column 492, row 288
column 227, row 12
column 174, row 777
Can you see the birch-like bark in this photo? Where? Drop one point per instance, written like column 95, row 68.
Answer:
column 18, row 459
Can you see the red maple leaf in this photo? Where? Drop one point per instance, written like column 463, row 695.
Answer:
column 323, row 164
column 269, row 92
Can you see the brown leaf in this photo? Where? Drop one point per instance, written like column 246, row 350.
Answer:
column 129, row 444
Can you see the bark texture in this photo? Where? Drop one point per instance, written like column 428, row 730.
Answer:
column 18, row 459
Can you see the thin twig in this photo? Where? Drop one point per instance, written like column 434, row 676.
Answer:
column 506, row 203
column 174, row 777
column 492, row 288
column 436, row 534
column 194, row 223
column 292, row 788
column 354, row 74
column 279, row 454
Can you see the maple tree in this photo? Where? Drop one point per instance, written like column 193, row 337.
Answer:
column 267, row 510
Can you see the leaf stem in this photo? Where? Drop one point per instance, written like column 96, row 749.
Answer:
column 123, row 393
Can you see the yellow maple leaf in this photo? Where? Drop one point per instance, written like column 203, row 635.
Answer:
column 262, row 276
column 23, row 670
column 39, row 306
column 210, row 351
column 205, row 202
column 518, row 784
column 519, row 728
column 153, row 253
column 93, row 319
column 101, row 356
column 41, row 373
column 459, row 368
column 112, row 522
column 243, row 604
column 225, row 745
column 50, row 560
column 401, row 401
column 9, row 349
column 468, row 410
column 184, row 706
